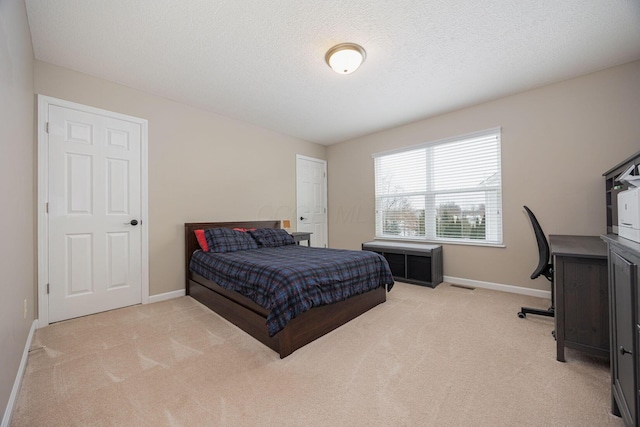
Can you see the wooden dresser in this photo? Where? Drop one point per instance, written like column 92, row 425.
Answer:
column 624, row 308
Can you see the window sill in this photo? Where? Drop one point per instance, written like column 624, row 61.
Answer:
column 443, row 242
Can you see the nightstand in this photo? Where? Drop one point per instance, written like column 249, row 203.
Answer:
column 300, row 236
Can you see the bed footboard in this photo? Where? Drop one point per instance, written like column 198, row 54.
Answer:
column 300, row 331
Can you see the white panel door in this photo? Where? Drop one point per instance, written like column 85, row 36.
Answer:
column 311, row 195
column 94, row 213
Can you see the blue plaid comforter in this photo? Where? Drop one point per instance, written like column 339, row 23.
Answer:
column 289, row 280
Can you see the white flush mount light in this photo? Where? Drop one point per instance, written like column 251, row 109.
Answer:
column 345, row 58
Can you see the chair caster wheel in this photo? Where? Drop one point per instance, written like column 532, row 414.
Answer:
column 521, row 315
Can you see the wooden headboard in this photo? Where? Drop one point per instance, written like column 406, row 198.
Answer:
column 191, row 243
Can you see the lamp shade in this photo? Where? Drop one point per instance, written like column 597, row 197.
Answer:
column 345, row 58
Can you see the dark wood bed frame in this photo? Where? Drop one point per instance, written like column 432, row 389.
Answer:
column 251, row 318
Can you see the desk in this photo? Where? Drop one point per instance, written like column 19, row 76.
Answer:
column 581, row 294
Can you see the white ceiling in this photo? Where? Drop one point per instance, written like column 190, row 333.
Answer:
column 263, row 61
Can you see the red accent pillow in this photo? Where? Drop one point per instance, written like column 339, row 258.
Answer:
column 202, row 240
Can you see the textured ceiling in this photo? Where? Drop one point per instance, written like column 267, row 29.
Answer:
column 263, row 61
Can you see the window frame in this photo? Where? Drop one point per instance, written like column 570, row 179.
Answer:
column 493, row 221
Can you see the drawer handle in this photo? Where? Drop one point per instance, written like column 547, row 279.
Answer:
column 624, row 351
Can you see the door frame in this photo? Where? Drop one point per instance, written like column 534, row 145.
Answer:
column 43, row 192
column 326, row 200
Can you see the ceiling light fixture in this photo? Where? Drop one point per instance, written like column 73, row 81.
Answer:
column 345, row 58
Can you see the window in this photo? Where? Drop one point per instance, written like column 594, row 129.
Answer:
column 448, row 190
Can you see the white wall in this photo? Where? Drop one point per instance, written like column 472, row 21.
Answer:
column 202, row 166
column 556, row 143
column 17, row 192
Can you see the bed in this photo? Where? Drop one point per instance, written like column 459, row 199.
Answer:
column 253, row 318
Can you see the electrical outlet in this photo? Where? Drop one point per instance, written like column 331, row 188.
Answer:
column 25, row 308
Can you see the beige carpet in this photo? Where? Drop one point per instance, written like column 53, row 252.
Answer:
column 427, row 357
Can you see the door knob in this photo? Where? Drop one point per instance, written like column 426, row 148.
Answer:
column 624, row 351
column 302, row 218
column 133, row 222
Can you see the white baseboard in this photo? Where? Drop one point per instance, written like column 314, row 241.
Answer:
column 499, row 287
column 16, row 384
column 166, row 296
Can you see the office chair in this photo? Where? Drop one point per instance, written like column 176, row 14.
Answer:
column 545, row 268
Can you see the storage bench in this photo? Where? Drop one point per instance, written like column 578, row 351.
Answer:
column 416, row 263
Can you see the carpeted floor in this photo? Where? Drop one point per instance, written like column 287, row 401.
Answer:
column 427, row 357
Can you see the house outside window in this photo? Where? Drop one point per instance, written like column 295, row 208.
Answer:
column 444, row 191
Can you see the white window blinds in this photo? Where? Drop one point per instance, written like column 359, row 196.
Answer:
column 448, row 190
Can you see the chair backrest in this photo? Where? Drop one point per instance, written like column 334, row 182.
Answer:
column 544, row 267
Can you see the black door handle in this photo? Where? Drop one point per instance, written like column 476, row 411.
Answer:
column 302, row 218
column 624, row 351
column 134, row 222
